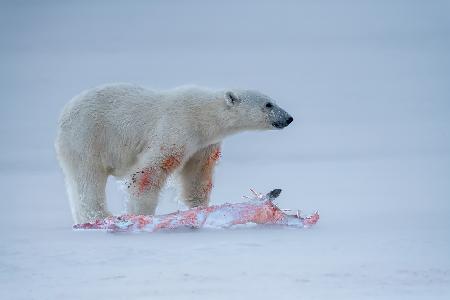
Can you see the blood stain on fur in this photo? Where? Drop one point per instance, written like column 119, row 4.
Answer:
column 215, row 155
column 145, row 180
column 171, row 162
column 206, row 189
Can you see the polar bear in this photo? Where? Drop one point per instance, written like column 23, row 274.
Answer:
column 142, row 136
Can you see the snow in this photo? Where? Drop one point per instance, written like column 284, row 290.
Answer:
column 367, row 84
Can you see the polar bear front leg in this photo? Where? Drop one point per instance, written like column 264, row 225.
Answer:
column 144, row 185
column 196, row 176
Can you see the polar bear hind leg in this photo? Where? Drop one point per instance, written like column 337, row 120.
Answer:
column 86, row 188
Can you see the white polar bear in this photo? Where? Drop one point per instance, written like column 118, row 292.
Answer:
column 142, row 136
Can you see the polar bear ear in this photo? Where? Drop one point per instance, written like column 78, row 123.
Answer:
column 231, row 98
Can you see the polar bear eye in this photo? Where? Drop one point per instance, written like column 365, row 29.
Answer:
column 269, row 105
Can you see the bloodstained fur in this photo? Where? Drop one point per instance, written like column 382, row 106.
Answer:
column 154, row 176
column 207, row 185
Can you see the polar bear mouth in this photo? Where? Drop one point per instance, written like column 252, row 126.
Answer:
column 278, row 125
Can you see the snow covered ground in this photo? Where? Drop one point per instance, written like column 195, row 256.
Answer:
column 384, row 234
column 367, row 84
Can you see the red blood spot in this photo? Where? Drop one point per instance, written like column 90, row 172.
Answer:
column 145, row 180
column 311, row 220
column 212, row 159
column 215, row 155
column 206, row 189
column 171, row 162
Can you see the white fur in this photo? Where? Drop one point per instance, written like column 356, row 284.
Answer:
column 142, row 136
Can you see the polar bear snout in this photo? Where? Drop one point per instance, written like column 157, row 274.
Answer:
column 280, row 124
column 278, row 117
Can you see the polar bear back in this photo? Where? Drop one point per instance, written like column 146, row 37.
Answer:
column 116, row 122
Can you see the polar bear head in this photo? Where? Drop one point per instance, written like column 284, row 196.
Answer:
column 249, row 110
